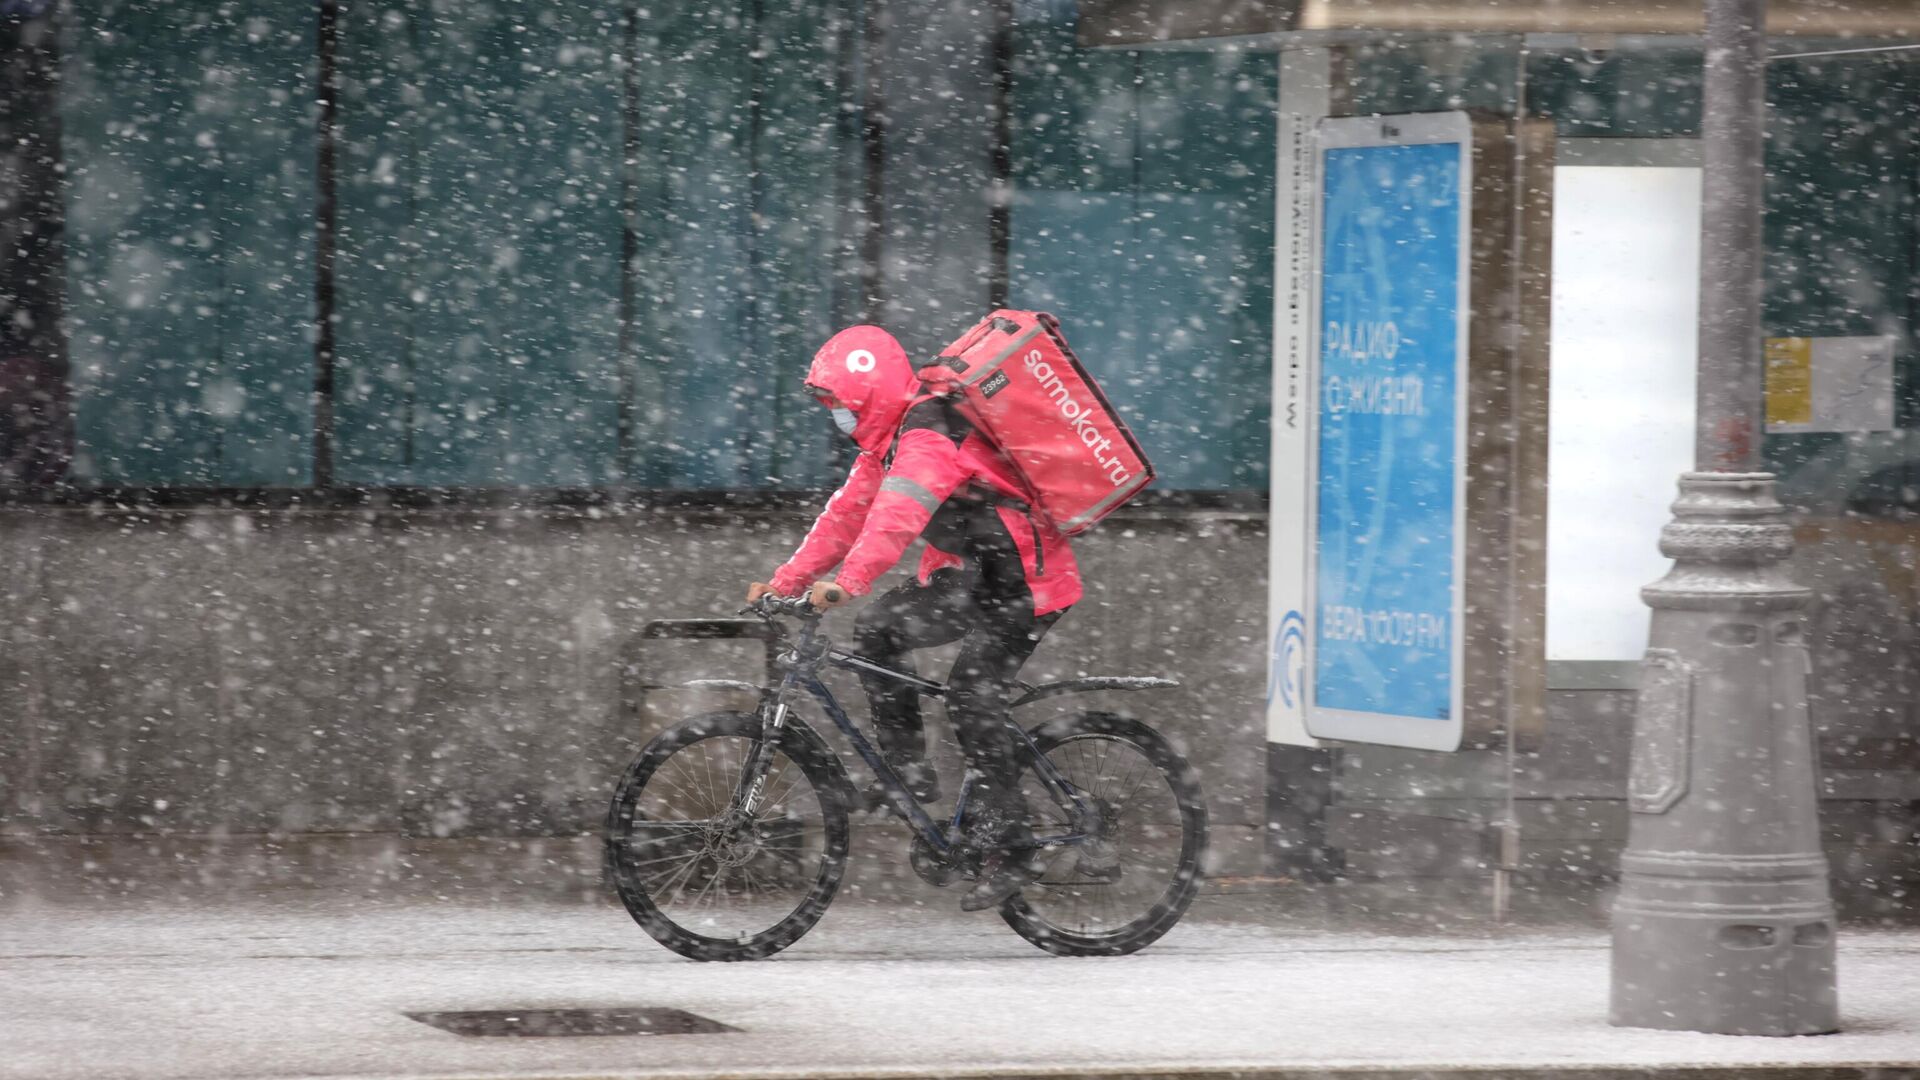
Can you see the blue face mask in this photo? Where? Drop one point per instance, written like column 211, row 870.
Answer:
column 845, row 421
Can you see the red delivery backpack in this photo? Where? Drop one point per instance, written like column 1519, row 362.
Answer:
column 1014, row 377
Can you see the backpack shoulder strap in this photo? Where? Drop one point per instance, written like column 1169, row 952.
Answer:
column 933, row 412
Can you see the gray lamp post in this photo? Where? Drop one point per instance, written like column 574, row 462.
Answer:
column 1724, row 922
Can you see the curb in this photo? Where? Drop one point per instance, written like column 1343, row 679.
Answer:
column 1760, row 1071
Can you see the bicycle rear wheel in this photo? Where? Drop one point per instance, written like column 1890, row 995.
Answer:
column 1123, row 888
column 708, row 880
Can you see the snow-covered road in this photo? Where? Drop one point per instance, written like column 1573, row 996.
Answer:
column 303, row 989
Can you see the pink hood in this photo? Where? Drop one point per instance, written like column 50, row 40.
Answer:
column 868, row 371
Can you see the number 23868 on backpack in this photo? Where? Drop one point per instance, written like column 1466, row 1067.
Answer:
column 1014, row 377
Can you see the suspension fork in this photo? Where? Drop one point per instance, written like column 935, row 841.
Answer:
column 751, row 786
column 753, row 775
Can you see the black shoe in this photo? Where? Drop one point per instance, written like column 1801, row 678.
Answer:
column 1005, row 872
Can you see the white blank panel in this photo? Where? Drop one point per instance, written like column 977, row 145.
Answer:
column 1626, row 265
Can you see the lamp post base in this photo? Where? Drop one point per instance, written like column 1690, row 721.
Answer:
column 1724, row 922
column 1725, row 972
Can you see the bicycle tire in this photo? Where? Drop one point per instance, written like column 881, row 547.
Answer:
column 822, row 771
column 1161, row 916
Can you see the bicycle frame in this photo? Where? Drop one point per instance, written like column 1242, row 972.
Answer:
column 803, row 659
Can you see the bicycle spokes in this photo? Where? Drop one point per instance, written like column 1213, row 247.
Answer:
column 1122, row 854
column 703, row 858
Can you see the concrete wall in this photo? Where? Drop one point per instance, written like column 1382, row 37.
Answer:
column 456, row 674
column 265, row 697
column 1411, row 816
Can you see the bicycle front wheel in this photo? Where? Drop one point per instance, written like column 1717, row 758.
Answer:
column 1127, row 880
column 705, row 877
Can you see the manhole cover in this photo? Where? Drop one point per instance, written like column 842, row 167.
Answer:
column 561, row 1023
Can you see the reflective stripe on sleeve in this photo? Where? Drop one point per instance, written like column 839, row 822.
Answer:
column 912, row 489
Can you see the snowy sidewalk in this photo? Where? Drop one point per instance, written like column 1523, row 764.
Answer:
column 305, row 990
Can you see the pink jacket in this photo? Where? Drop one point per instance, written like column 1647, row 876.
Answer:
column 879, row 511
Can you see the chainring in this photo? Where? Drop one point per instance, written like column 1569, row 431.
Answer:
column 933, row 867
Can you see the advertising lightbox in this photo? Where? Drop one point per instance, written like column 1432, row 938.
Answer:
column 1387, row 535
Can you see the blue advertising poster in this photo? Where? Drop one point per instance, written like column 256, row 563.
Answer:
column 1388, row 446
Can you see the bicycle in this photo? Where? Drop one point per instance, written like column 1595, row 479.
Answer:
column 728, row 834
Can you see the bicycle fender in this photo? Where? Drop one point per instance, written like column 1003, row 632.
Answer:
column 1090, row 684
column 740, row 685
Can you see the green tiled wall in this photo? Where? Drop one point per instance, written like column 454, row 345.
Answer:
column 188, row 137
column 478, row 272
column 1143, row 218
column 482, row 186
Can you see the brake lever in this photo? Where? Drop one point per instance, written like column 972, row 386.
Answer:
column 770, row 605
column 759, row 608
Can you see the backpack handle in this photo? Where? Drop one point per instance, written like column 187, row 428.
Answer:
column 950, row 356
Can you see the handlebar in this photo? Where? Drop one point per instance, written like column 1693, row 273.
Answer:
column 770, row 605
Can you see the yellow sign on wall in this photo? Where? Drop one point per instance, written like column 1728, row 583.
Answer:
column 1789, row 380
column 1829, row 383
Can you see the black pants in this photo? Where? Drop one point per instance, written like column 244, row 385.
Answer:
column 1000, row 632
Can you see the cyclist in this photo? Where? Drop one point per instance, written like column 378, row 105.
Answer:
column 993, row 573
